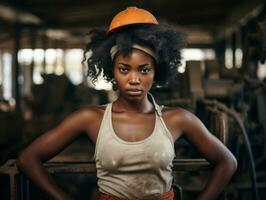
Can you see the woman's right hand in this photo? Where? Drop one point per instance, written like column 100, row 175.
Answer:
column 47, row 146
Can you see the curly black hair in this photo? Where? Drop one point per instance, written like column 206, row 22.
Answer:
column 166, row 40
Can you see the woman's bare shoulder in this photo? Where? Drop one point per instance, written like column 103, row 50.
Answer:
column 176, row 119
column 86, row 116
column 92, row 111
column 176, row 112
column 92, row 118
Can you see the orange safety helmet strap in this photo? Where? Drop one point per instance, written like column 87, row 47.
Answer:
column 131, row 15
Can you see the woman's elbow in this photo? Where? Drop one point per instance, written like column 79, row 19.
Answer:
column 21, row 160
column 231, row 164
column 24, row 160
column 228, row 164
column 234, row 163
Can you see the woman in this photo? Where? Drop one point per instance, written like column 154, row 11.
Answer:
column 134, row 136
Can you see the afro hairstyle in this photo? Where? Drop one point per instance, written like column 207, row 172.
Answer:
column 164, row 39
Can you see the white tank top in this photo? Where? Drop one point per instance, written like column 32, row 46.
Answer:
column 134, row 170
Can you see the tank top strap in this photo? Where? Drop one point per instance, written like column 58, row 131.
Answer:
column 103, row 125
column 159, row 109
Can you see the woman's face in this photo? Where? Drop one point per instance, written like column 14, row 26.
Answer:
column 134, row 74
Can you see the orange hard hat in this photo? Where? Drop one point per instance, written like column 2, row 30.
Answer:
column 131, row 15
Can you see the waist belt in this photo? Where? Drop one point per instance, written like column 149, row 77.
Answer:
column 164, row 196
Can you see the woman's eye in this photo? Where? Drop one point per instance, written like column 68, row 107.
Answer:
column 145, row 70
column 123, row 69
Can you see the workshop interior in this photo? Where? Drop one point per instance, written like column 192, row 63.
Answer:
column 222, row 80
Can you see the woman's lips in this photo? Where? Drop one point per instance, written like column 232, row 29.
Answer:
column 134, row 92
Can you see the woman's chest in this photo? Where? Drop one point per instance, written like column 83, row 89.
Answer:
column 155, row 153
column 133, row 128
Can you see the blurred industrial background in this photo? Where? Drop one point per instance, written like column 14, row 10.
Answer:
column 222, row 80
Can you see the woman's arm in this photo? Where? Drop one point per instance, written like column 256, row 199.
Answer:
column 214, row 151
column 47, row 146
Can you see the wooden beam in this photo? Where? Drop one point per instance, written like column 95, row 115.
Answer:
column 239, row 17
column 15, row 15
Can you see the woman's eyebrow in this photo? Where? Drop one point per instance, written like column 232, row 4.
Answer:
column 144, row 65
column 127, row 65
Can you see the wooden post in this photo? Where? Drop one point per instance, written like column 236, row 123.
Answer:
column 16, row 67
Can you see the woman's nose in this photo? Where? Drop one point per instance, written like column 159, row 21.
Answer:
column 134, row 78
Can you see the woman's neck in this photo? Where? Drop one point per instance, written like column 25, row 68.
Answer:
column 140, row 106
